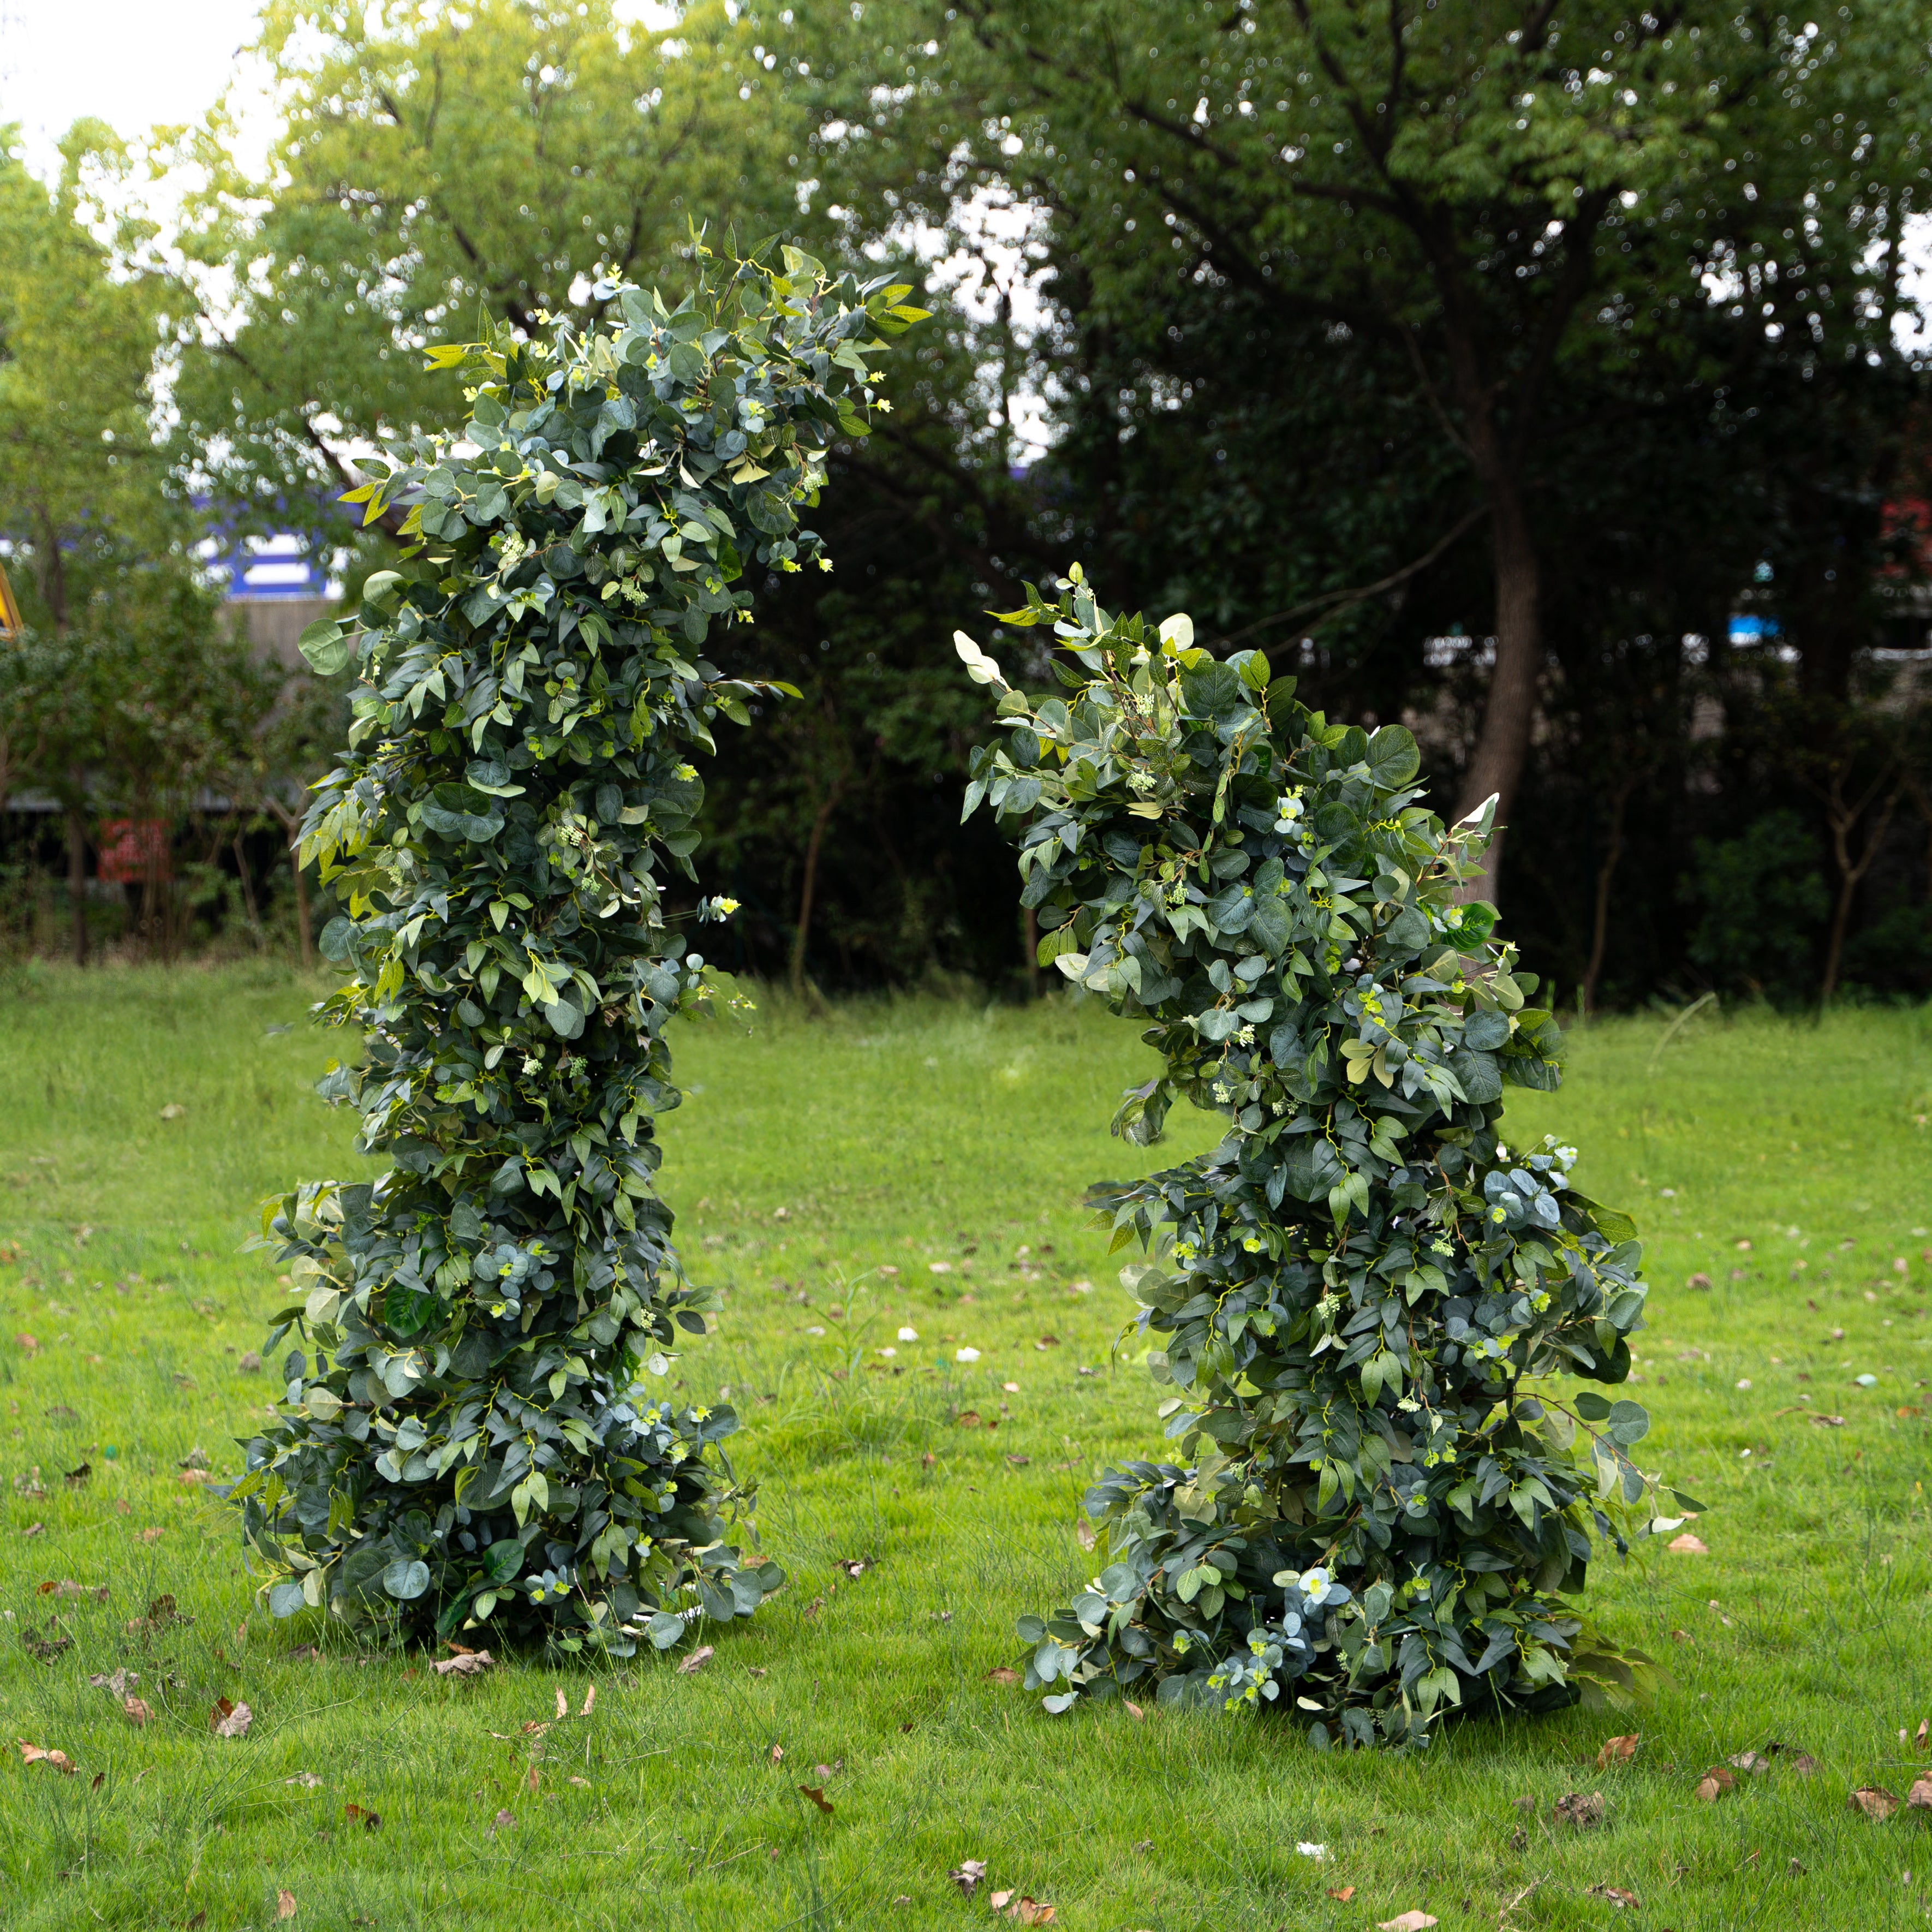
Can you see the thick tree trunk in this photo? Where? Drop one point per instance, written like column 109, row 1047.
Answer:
column 1509, row 715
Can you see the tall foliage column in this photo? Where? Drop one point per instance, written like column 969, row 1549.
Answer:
column 479, row 1430
column 1364, row 1303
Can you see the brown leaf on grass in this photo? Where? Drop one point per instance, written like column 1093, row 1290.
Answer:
column 1001, row 1674
column 1714, row 1784
column 1341, row 1894
column 1616, row 1751
column 532, row 1779
column 162, row 1615
column 1687, row 1545
column 1083, row 1534
column 999, row 1900
column 45, row 1646
column 582, row 1783
column 1925, row 1733
column 1874, row 1800
column 137, row 1712
column 34, row 1529
column 360, row 1814
column 229, row 1719
column 1133, row 1711
column 1406, row 1921
column 117, row 1683
column 285, row 1904
column 1029, row 1911
column 149, row 1536
column 778, row 1753
column 697, row 1660
column 1625, row 1901
column 29, row 1345
column 1019, row 1462
column 68, row 1587
column 1919, row 1798
column 589, row 1701
column 75, row 1478
column 1754, row 1764
column 816, row 1792
column 1582, row 1809
column 1829, row 1421
column 467, row 1663
column 562, row 1703
column 967, row 1418
column 503, row 1822
column 38, row 1754
column 968, row 1874
column 200, row 1919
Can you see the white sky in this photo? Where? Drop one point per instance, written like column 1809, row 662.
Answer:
column 134, row 64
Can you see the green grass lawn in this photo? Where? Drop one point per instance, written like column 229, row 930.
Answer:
column 912, row 1166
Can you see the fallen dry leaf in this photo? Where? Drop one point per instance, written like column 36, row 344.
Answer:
column 307, row 1779
column 1083, row 1534
column 968, row 1418
column 1029, row 1911
column 999, row 1900
column 136, row 1710
column 358, row 1814
column 1874, row 1800
column 1406, row 1921
column 816, row 1792
column 1625, row 1901
column 1925, row 1733
column 1714, row 1784
column 778, row 1753
column 1341, row 1894
column 562, row 1702
column 36, row 1754
column 285, row 1904
column 68, row 1587
column 1754, row 1764
column 697, row 1660
column 466, row 1663
column 582, row 1783
column 1582, row 1809
column 229, row 1720
column 1687, row 1545
column 117, row 1683
column 968, row 1875
column 589, row 1701
column 1133, row 1710
column 1919, row 1798
column 1803, row 1763
column 1001, row 1674
column 1616, row 1751
column 530, row 1782
column 149, row 1536
column 45, row 1646
column 502, row 1822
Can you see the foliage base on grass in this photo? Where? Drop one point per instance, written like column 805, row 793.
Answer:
column 482, row 1432
column 1378, row 1520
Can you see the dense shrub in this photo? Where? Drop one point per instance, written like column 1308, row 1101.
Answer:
column 1359, row 1298
column 482, row 1430
column 1762, row 907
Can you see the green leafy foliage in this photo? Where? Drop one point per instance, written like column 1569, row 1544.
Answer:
column 480, row 1430
column 1356, row 1298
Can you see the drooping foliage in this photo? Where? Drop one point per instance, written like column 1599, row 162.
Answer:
column 1361, row 1299
column 480, row 1429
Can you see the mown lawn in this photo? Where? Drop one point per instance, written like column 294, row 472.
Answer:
column 1783, row 1175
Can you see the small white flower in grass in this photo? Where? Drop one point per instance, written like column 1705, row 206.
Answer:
column 888, row 1352
column 908, row 1334
column 967, row 1355
column 1308, row 1851
column 1744, row 1381
column 814, row 1331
